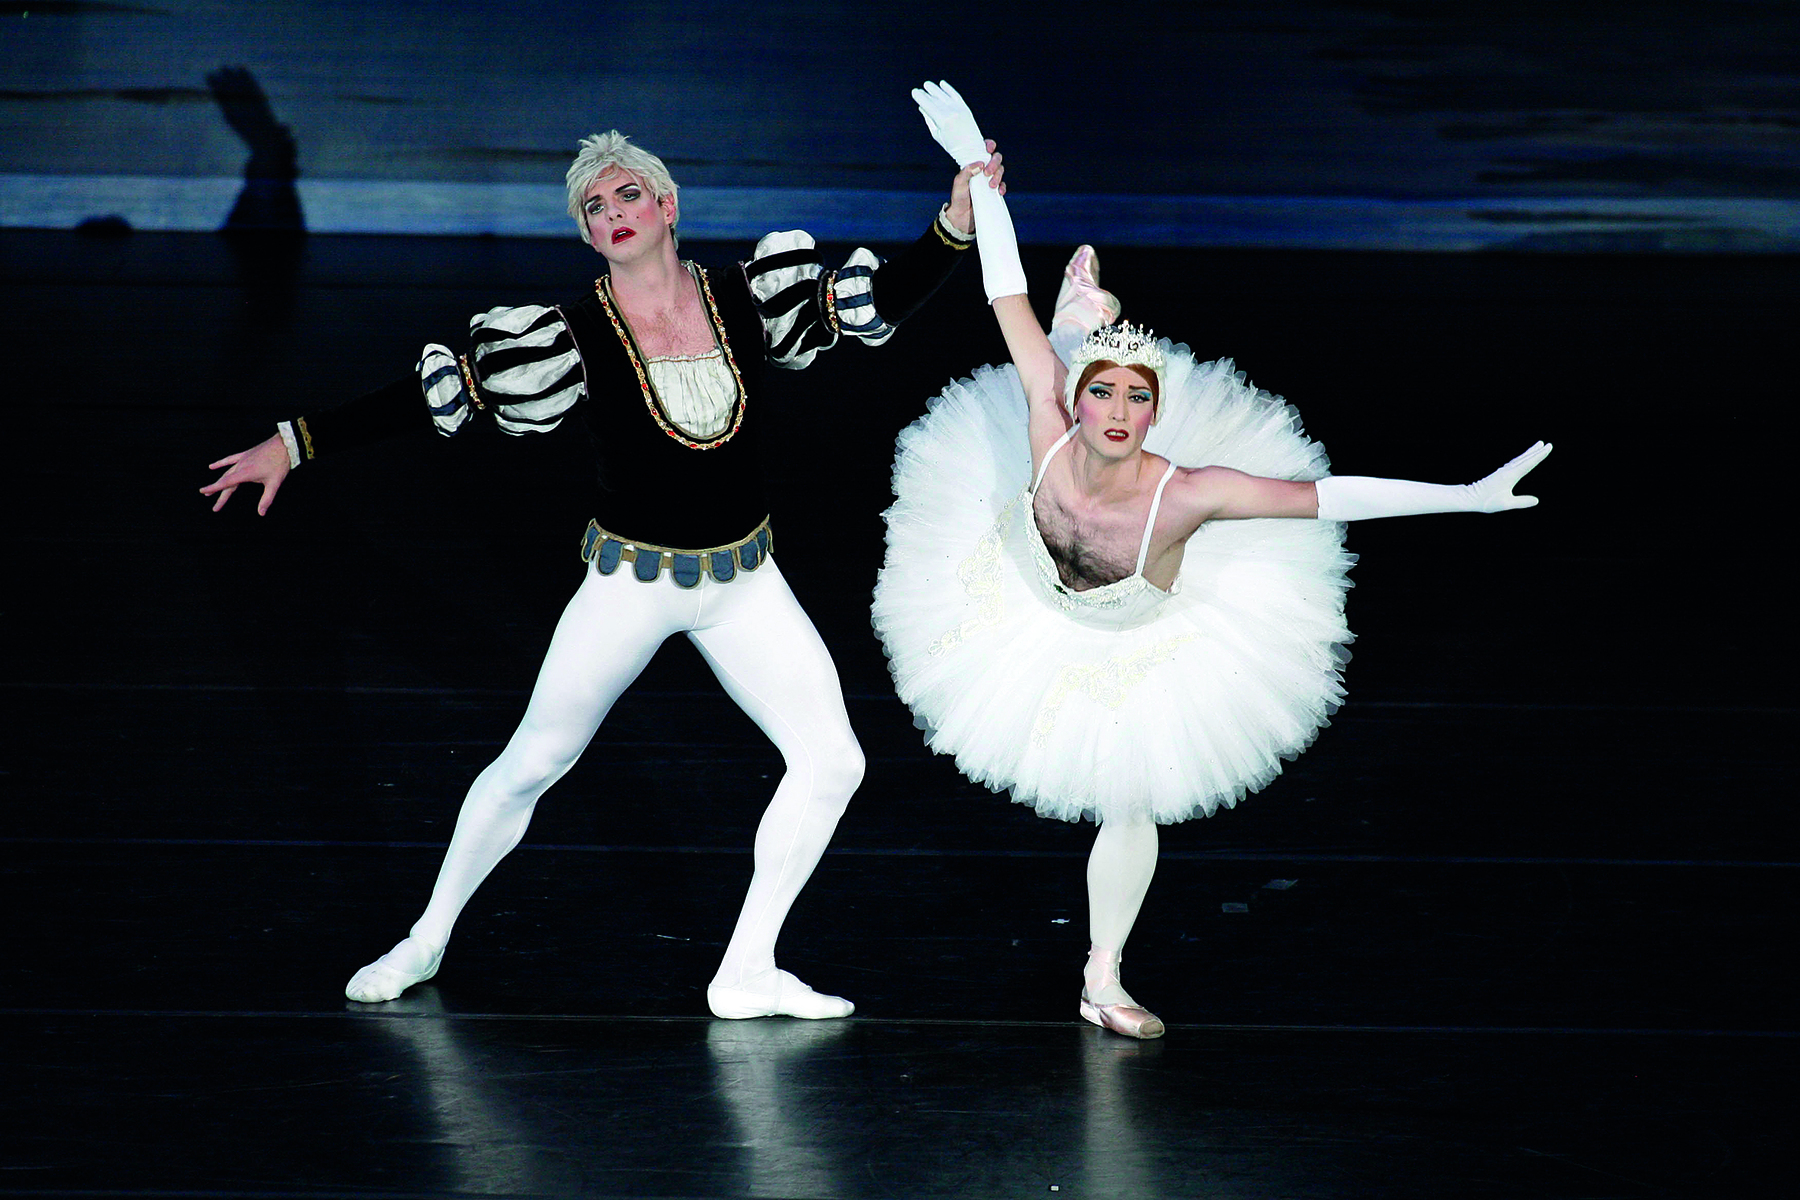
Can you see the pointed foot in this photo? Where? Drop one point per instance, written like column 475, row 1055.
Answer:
column 1081, row 300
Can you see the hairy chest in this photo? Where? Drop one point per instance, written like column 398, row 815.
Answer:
column 681, row 330
column 1090, row 548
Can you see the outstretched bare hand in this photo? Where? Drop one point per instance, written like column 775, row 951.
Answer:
column 1495, row 493
column 265, row 464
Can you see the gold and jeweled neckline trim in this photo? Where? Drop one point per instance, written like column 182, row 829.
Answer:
column 603, row 288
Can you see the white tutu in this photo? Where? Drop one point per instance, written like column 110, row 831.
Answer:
column 1237, row 670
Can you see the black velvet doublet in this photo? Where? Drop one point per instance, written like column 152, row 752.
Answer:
column 650, row 486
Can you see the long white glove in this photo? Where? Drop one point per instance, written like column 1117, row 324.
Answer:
column 948, row 117
column 1360, row 497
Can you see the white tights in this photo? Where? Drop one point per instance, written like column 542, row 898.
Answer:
column 1119, row 872
column 1124, row 856
column 770, row 660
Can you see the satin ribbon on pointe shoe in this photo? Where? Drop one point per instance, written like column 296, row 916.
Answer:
column 1126, row 1017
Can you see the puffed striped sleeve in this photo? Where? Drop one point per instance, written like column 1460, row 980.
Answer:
column 522, row 365
column 806, row 308
column 787, row 283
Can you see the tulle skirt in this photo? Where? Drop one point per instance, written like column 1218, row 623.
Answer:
column 1233, row 674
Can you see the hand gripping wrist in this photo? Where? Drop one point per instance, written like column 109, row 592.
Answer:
column 1002, row 274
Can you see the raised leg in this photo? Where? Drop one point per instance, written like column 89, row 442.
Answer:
column 607, row 634
column 1082, row 305
column 772, row 662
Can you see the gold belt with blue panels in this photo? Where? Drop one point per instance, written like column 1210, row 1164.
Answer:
column 607, row 550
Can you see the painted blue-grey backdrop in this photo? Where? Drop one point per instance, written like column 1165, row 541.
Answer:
column 1658, row 124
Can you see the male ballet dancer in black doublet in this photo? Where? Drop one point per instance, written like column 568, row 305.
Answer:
column 679, row 540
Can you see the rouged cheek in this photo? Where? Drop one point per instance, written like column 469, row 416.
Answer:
column 1090, row 411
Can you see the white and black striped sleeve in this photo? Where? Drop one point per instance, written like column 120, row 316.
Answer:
column 522, row 364
column 805, row 308
column 787, row 283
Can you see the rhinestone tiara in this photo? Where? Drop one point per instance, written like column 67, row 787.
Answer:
column 1124, row 343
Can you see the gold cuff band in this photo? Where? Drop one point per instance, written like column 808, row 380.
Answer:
column 462, row 360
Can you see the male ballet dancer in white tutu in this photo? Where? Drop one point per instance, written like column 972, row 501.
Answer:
column 1084, row 622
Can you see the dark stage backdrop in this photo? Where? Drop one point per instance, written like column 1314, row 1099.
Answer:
column 1646, row 586
column 1276, row 182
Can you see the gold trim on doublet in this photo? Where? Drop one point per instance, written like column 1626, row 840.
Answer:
column 603, row 288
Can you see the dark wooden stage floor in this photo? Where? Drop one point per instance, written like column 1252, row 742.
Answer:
column 1514, row 927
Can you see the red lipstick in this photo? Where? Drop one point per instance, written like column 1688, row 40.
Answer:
column 621, row 233
column 1117, row 435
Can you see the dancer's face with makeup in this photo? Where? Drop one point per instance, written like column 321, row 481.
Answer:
column 625, row 221
column 1115, row 407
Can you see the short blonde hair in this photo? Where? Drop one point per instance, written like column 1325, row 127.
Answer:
column 608, row 151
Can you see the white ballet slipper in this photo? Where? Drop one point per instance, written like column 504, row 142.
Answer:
column 409, row 962
column 774, row 993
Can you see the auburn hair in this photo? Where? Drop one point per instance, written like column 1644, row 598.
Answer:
column 1152, row 381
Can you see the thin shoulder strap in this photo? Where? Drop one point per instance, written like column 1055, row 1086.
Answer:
column 1155, row 503
column 1060, row 443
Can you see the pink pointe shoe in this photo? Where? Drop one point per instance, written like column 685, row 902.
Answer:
column 1081, row 300
column 1127, row 1019
column 1102, row 976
